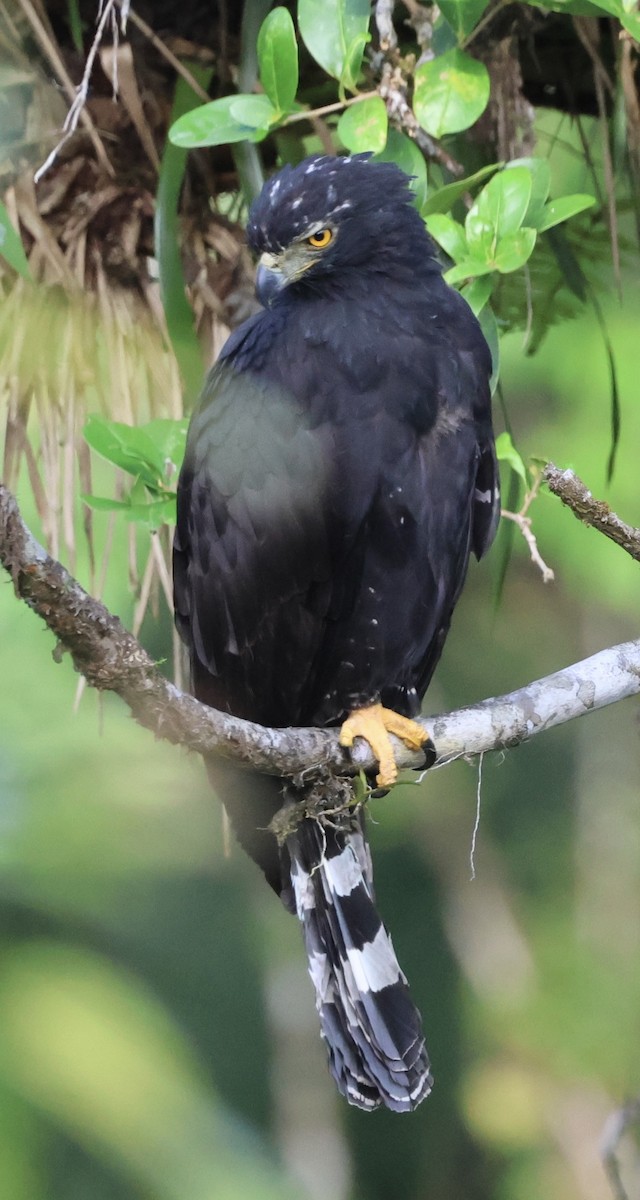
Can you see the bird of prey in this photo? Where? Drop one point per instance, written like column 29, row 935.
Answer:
column 340, row 468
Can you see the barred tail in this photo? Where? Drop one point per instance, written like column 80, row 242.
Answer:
column 372, row 1028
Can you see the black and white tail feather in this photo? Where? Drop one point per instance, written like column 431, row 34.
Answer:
column 372, row 1029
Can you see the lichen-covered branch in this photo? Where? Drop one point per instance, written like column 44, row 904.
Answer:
column 574, row 493
column 111, row 659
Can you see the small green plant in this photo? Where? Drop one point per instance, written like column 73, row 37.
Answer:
column 151, row 455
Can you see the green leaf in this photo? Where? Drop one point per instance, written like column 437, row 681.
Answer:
column 103, row 503
column 256, row 111
column 624, row 10
column 580, row 8
column 222, row 121
column 169, row 438
column 477, row 293
column 514, row 249
column 540, row 186
column 11, row 247
column 462, row 15
column 353, row 62
column 335, row 32
column 126, row 446
column 542, row 303
column 506, row 452
column 631, row 22
column 278, row 59
column 363, row 126
column 161, row 510
column 448, row 234
column 403, row 151
column 563, row 208
column 499, row 210
column 155, row 513
column 145, row 507
column 445, row 198
column 450, row 93
column 468, row 268
column 75, row 25
column 444, row 37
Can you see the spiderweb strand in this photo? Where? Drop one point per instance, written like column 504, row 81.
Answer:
column 476, row 827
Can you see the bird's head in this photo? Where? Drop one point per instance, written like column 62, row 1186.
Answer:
column 330, row 214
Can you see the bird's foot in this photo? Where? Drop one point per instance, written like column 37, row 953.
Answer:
column 374, row 723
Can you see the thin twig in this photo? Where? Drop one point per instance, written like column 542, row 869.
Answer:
column 337, row 106
column 77, row 110
column 145, row 592
column 322, row 131
column 524, row 525
column 51, row 51
column 162, row 570
column 166, row 53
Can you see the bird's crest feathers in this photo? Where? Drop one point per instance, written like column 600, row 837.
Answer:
column 324, row 188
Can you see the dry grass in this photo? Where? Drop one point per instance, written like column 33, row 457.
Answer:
column 88, row 334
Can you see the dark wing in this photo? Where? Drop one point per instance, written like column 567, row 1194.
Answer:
column 460, row 463
column 474, row 380
column 251, row 544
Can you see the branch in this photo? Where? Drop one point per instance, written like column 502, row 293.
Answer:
column 616, row 1126
column 590, row 511
column 111, row 659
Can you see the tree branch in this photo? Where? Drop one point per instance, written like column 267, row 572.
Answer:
column 617, row 1125
column 573, row 492
column 111, row 659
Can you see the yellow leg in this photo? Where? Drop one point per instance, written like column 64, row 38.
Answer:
column 375, row 723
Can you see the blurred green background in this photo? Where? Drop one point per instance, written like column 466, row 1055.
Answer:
column 158, row 1037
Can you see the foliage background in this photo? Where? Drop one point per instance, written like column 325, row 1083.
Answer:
column 157, row 1031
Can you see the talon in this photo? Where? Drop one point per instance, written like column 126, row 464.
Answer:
column 374, row 723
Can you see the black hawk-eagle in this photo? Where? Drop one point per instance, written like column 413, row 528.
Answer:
column 340, row 468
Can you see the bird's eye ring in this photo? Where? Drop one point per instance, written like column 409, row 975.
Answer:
column 320, row 239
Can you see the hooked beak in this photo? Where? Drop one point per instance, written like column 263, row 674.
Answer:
column 269, row 279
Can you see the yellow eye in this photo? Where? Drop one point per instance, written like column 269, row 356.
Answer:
column 320, row 239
